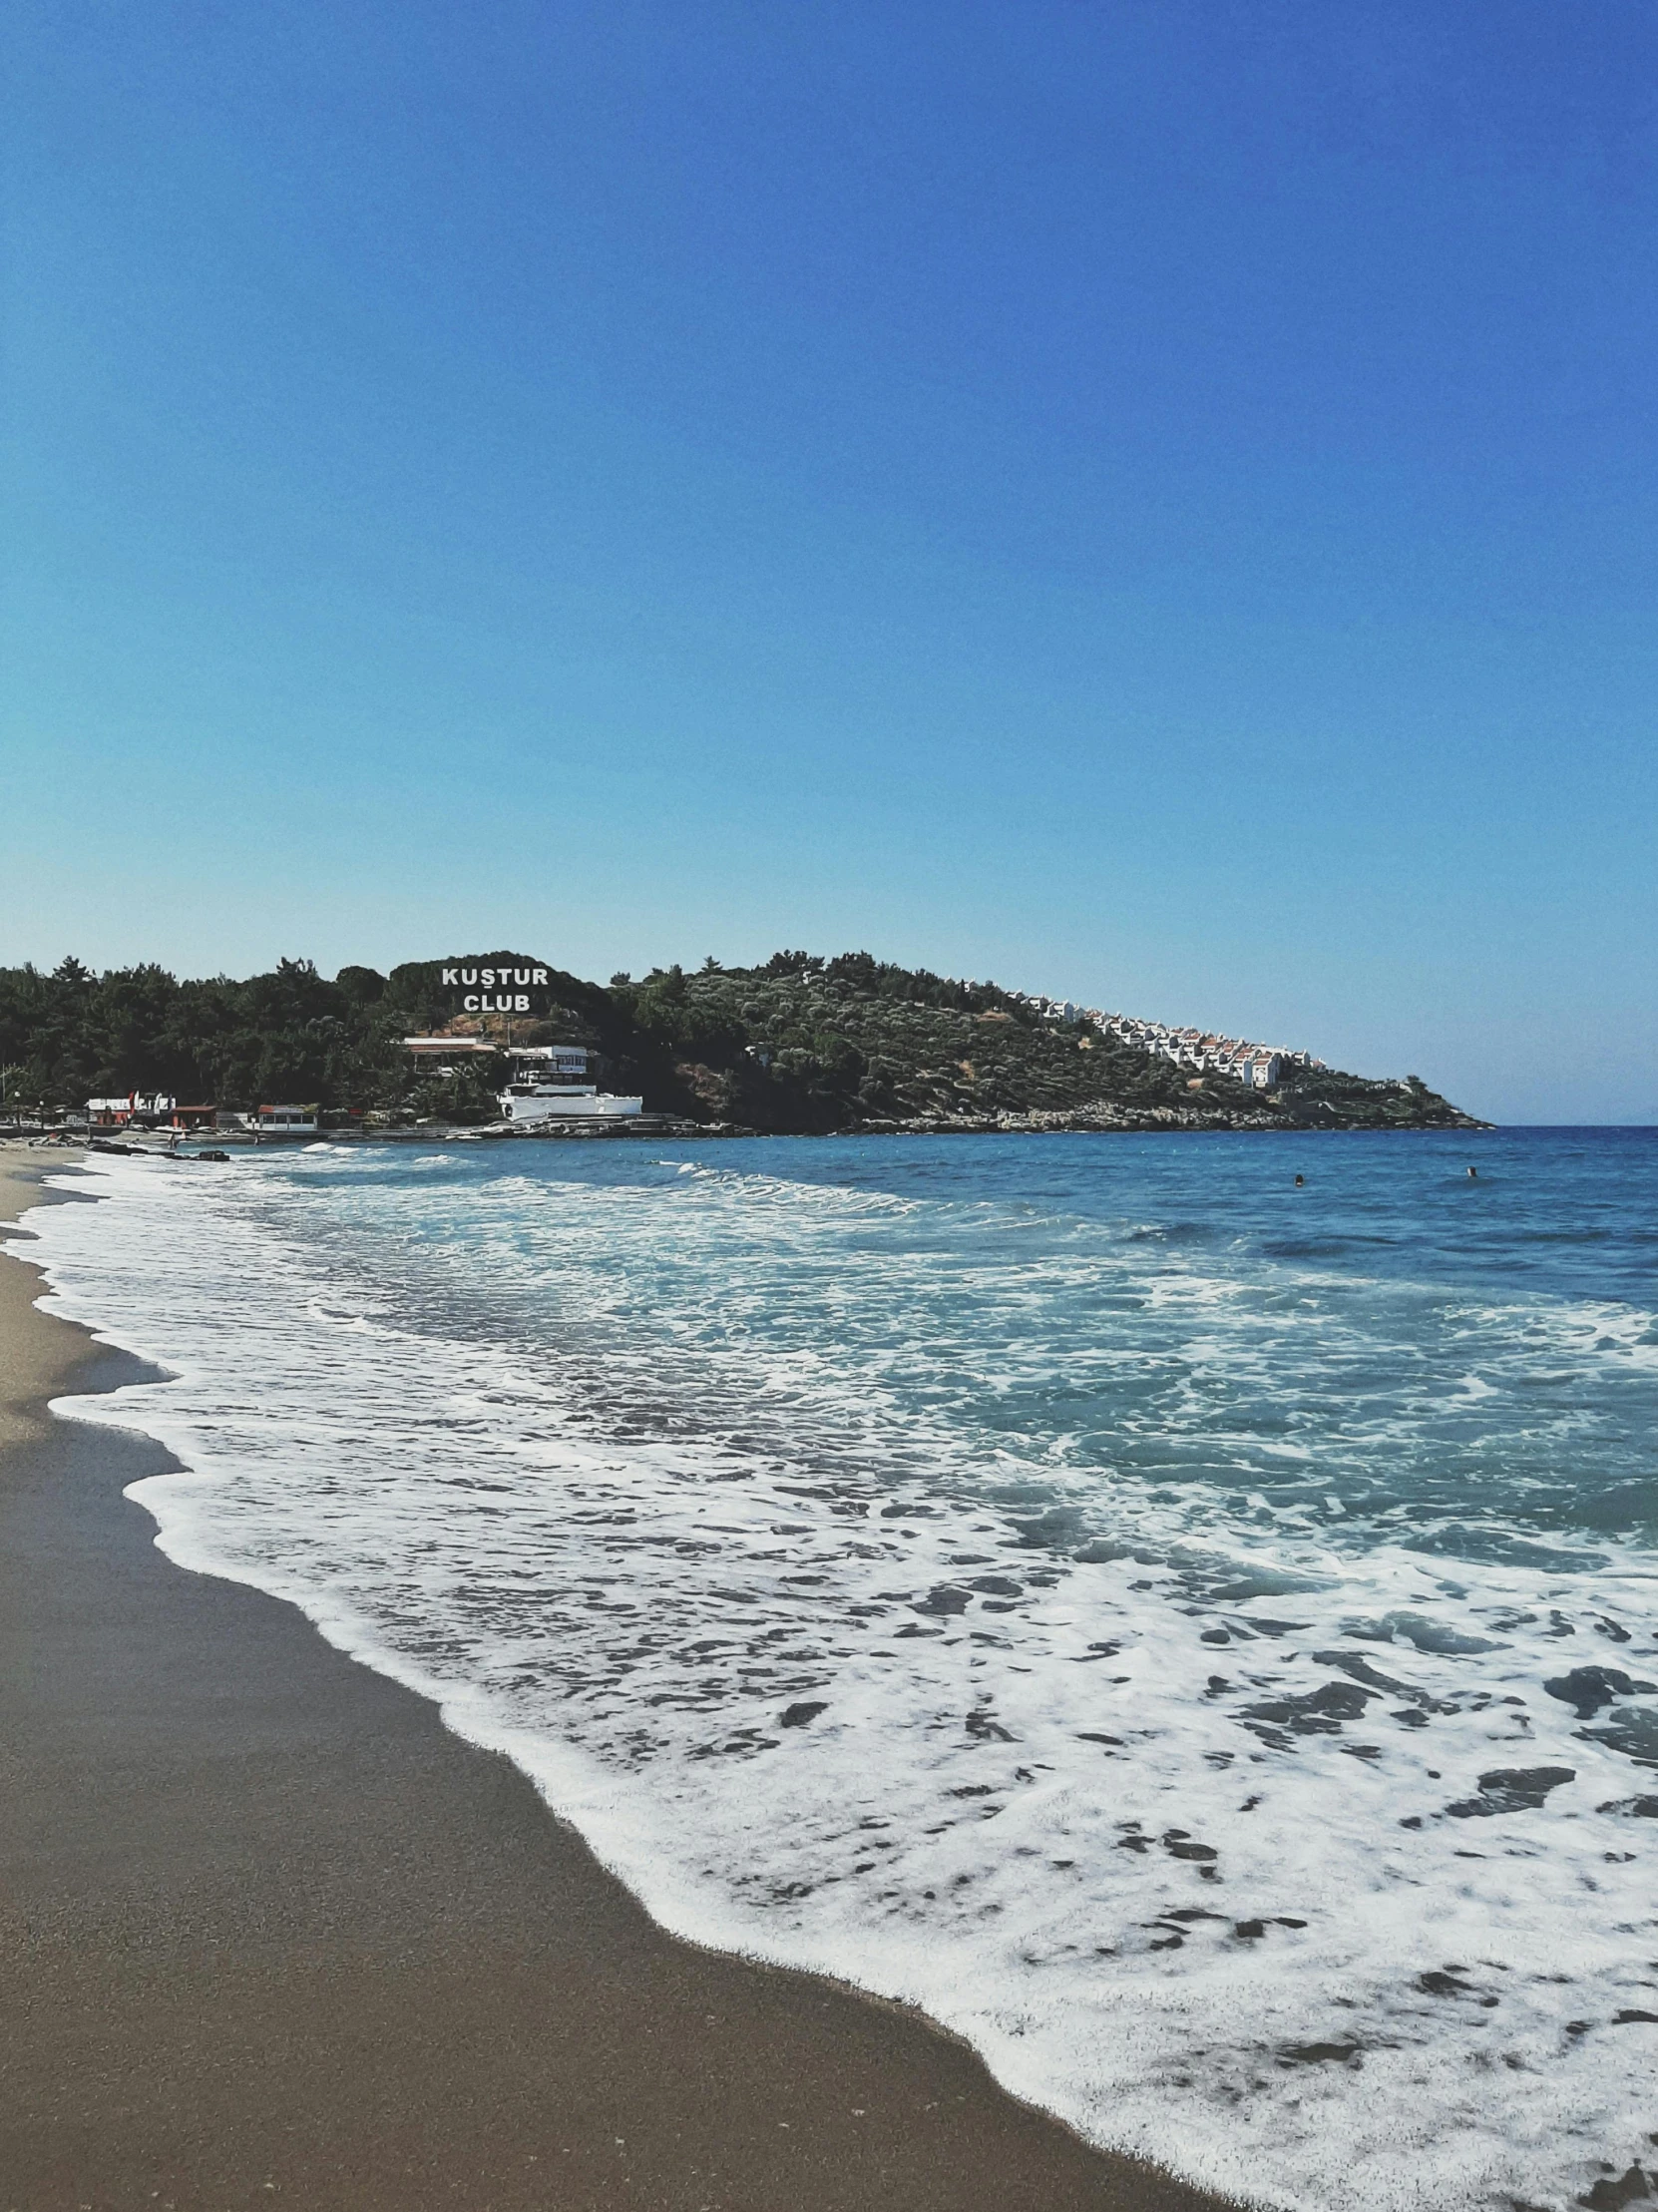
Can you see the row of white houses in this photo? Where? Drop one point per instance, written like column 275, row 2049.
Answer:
column 1259, row 1066
column 1262, row 1067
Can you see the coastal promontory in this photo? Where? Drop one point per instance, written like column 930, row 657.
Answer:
column 802, row 1045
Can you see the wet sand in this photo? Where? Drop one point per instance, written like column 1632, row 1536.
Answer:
column 268, row 1932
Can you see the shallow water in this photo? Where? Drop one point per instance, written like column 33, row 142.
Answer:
column 1193, row 1635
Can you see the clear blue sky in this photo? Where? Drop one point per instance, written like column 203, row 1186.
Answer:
column 1152, row 500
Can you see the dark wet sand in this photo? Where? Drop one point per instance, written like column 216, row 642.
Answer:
column 268, row 1933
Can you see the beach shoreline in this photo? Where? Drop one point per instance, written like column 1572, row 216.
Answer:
column 268, row 1929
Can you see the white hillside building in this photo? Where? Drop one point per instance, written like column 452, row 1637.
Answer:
column 547, row 1085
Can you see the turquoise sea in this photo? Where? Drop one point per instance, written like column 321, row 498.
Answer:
column 1193, row 1634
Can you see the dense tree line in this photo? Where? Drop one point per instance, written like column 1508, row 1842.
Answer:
column 802, row 1044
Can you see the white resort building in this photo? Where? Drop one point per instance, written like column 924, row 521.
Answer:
column 546, row 1083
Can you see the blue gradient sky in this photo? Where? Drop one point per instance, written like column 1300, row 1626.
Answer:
column 1153, row 502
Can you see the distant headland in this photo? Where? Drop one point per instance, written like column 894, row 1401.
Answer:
column 802, row 1045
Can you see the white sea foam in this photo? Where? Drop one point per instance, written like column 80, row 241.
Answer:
column 1241, row 1835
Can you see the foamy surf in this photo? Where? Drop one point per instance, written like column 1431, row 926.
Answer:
column 1141, row 1652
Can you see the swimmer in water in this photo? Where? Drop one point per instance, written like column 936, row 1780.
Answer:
column 1300, row 1182
column 1473, row 1175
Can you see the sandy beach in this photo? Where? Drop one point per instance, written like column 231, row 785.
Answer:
column 268, row 1931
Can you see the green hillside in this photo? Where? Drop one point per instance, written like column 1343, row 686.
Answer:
column 802, row 1045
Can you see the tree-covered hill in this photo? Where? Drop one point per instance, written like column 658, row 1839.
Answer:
column 802, row 1045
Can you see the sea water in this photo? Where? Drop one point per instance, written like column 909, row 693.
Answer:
column 1193, row 1635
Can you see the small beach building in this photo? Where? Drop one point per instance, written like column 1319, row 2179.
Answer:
column 286, row 1120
